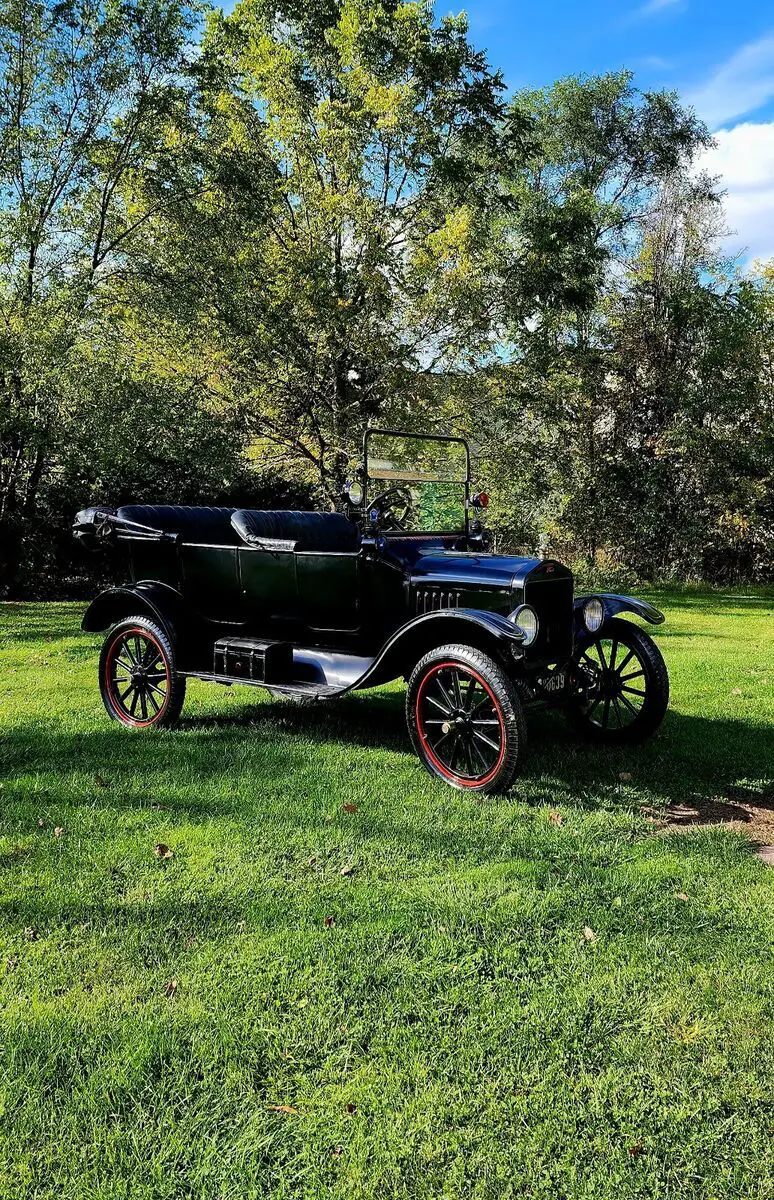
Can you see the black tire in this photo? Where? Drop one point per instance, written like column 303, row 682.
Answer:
column 633, row 693
column 463, row 688
column 138, row 679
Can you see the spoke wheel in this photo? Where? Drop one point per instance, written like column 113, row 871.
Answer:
column 465, row 718
column 138, row 681
column 628, row 685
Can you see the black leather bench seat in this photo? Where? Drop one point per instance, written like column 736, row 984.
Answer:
column 247, row 526
column 308, row 530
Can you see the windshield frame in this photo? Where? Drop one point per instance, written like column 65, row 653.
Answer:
column 420, row 478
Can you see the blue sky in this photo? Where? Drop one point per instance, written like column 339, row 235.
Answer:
column 718, row 56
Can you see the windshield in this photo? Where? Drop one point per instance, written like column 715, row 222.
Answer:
column 432, row 476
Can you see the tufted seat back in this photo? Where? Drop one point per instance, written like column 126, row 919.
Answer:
column 211, row 526
column 308, row 530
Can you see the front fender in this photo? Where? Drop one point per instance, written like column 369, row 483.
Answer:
column 156, row 600
column 615, row 604
column 406, row 646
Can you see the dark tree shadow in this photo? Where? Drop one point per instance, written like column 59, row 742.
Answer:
column 690, row 759
column 36, row 621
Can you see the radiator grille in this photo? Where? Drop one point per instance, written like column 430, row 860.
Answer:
column 552, row 601
column 433, row 599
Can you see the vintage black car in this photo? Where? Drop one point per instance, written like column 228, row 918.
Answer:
column 402, row 584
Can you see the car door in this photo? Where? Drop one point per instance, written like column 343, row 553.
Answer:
column 329, row 589
column 269, row 589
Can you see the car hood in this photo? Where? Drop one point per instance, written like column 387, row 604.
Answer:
column 483, row 569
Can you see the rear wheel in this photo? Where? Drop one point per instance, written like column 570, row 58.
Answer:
column 465, row 719
column 627, row 691
column 137, row 676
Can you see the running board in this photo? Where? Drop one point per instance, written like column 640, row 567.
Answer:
column 310, row 672
column 313, row 691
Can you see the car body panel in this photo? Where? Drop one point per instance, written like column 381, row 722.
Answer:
column 154, row 599
column 358, row 605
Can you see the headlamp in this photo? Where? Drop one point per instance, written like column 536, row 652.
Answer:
column 526, row 619
column 593, row 614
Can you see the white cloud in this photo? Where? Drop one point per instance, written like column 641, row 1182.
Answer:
column 656, row 6
column 743, row 158
column 655, row 62
column 742, row 84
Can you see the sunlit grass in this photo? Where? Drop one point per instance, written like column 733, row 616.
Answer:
column 402, row 967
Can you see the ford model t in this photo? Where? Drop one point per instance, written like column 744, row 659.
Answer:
column 402, row 584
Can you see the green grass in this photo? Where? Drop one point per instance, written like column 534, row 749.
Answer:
column 453, row 1033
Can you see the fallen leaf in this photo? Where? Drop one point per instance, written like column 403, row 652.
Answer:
column 682, row 896
column 41, row 823
column 589, row 934
column 286, row 1108
column 625, row 776
column 555, row 817
column 349, row 808
column 101, row 782
column 58, row 831
column 171, row 988
column 31, row 933
column 162, row 851
column 348, row 870
column 736, row 692
column 637, row 1149
column 329, row 922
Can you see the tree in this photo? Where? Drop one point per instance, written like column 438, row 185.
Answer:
column 575, row 211
column 86, row 165
column 338, row 251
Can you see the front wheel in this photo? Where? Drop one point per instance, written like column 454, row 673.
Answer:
column 626, row 691
column 137, row 676
column 465, row 718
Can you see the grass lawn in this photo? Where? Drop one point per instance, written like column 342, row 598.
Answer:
column 352, row 981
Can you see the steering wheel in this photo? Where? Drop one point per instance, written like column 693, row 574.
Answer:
column 385, row 504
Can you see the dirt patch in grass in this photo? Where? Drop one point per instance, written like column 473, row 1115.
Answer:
column 743, row 809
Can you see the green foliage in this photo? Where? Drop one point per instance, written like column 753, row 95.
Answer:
column 88, row 89
column 220, row 262
column 342, row 222
column 634, row 412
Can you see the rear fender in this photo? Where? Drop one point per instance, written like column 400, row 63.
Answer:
column 474, row 627
column 155, row 600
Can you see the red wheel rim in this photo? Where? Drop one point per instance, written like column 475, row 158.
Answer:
column 460, row 724
column 137, row 678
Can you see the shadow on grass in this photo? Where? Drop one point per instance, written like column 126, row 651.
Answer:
column 691, row 757
column 27, row 621
column 714, row 601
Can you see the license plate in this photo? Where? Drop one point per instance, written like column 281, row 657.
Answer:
column 556, row 682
